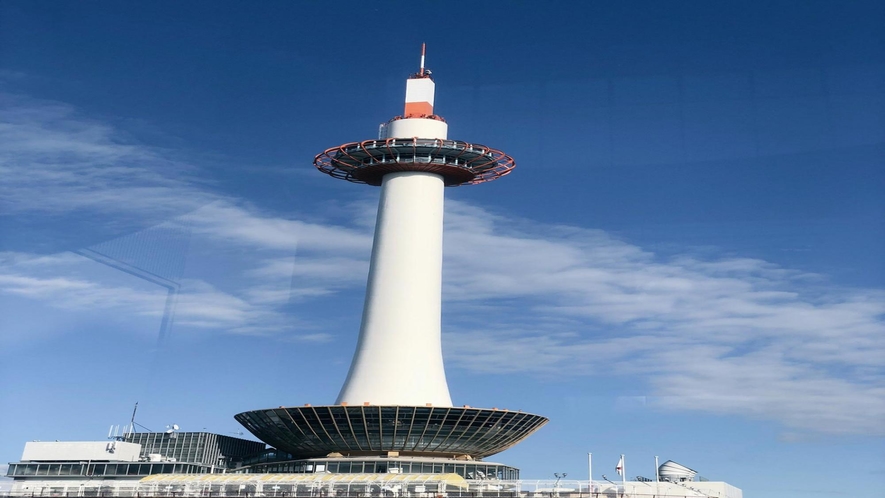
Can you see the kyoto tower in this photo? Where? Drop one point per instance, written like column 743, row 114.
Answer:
column 395, row 402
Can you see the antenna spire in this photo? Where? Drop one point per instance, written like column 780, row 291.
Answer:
column 132, row 420
column 421, row 72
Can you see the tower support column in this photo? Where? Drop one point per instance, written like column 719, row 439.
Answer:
column 398, row 360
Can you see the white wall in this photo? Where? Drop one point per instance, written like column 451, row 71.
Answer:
column 81, row 450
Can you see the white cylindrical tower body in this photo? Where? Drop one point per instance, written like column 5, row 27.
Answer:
column 417, row 127
column 398, row 359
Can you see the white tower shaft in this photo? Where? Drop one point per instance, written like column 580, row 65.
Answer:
column 398, row 360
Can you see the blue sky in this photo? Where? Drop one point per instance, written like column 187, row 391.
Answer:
column 687, row 261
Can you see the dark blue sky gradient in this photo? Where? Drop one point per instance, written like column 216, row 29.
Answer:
column 718, row 130
column 767, row 113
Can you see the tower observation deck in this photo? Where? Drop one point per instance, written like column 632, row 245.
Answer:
column 395, row 400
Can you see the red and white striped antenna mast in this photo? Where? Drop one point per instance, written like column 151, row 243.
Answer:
column 423, row 48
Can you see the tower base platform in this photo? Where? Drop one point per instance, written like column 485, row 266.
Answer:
column 369, row 430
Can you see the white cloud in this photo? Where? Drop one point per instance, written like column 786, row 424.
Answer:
column 737, row 336
column 58, row 163
column 53, row 160
column 769, row 384
column 229, row 222
column 77, row 284
column 730, row 335
column 77, row 293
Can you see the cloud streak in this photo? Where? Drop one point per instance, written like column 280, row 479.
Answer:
column 54, row 161
column 725, row 336
column 79, row 285
column 736, row 336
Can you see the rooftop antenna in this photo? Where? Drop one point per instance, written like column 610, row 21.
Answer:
column 115, row 434
column 423, row 48
column 133, row 423
column 172, row 430
column 132, row 420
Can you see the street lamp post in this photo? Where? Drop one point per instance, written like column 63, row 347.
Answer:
column 556, row 484
column 617, row 486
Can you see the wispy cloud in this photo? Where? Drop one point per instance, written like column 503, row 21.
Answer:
column 76, row 284
column 770, row 383
column 718, row 335
column 735, row 335
column 54, row 160
column 233, row 223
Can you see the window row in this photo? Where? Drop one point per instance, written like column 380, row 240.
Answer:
column 466, row 470
column 102, row 469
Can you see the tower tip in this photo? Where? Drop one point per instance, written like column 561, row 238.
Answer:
column 421, row 70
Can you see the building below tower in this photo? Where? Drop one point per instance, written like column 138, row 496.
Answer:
column 201, row 464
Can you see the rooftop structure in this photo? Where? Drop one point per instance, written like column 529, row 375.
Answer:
column 133, row 455
column 199, row 447
column 118, row 468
